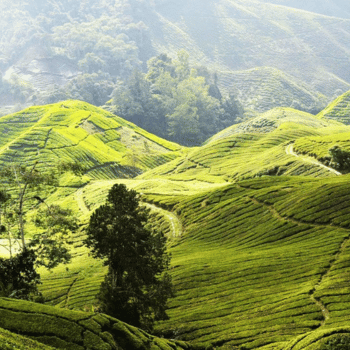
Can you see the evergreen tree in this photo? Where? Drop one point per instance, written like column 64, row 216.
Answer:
column 136, row 287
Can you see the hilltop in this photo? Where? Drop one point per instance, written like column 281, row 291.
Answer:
column 74, row 131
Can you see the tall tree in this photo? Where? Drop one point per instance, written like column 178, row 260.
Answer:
column 137, row 286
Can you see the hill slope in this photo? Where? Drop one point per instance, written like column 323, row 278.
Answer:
column 63, row 329
column 258, row 261
column 338, row 109
column 241, row 35
column 74, row 131
column 251, row 149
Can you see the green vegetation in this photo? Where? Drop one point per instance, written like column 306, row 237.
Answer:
column 176, row 102
column 64, row 329
column 338, row 109
column 266, row 55
column 73, row 131
column 259, row 238
column 137, row 286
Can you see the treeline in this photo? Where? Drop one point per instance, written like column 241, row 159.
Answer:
column 175, row 101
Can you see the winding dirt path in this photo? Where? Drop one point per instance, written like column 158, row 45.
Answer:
column 175, row 223
column 290, row 151
column 80, row 200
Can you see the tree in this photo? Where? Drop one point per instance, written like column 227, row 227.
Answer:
column 137, row 286
column 46, row 244
column 340, row 158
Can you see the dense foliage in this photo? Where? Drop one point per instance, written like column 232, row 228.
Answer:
column 18, row 277
column 136, row 288
column 175, row 101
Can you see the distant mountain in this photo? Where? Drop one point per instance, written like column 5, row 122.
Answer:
column 73, row 50
column 241, row 35
column 335, row 8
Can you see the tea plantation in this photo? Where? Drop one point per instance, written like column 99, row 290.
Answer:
column 259, row 234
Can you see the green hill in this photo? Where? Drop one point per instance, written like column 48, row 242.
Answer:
column 63, row 329
column 338, row 110
column 251, row 149
column 74, row 131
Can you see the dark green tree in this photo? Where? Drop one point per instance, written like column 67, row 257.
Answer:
column 137, row 286
column 340, row 158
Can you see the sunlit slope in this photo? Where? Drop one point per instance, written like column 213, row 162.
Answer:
column 338, row 110
column 73, row 131
column 261, row 262
column 319, row 146
column 64, row 329
column 254, row 148
column 77, row 286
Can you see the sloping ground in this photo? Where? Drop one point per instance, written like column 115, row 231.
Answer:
column 261, row 262
column 264, row 88
column 338, row 110
column 239, row 35
column 334, row 8
column 319, row 146
column 250, row 149
column 77, row 286
column 10, row 341
column 63, row 329
column 74, row 131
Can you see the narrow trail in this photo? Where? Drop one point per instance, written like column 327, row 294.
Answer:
column 175, row 223
column 346, row 241
column 79, row 197
column 69, row 291
column 290, row 151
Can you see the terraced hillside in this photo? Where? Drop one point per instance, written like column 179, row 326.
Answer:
column 338, row 110
column 42, row 327
column 258, row 260
column 261, row 261
column 251, row 149
column 263, row 88
column 74, row 131
column 269, row 55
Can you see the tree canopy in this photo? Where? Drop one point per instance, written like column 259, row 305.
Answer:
column 137, row 286
column 175, row 101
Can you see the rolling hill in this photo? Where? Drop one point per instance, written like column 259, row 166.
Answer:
column 259, row 233
column 74, row 131
column 338, row 109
